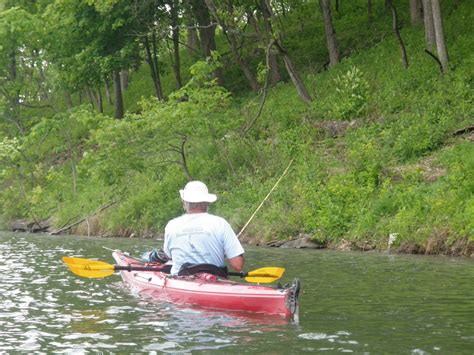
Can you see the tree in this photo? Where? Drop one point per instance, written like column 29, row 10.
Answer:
column 331, row 40
column 193, row 44
column 439, row 34
column 273, row 70
column 415, row 12
column 276, row 42
column 230, row 28
column 175, row 22
column 430, row 36
column 119, row 109
column 396, row 32
column 23, row 81
column 206, row 28
column 102, row 43
column 207, row 31
column 152, row 59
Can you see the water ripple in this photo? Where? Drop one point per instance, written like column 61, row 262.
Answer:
column 357, row 303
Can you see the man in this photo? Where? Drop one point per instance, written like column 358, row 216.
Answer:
column 198, row 237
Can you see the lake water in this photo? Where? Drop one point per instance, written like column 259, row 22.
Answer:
column 350, row 302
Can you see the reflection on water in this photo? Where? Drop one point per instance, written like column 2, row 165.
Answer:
column 363, row 303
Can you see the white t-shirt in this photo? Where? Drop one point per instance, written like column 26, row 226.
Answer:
column 200, row 238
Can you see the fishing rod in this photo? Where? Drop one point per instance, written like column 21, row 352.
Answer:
column 266, row 197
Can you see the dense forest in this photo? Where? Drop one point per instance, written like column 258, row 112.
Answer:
column 108, row 107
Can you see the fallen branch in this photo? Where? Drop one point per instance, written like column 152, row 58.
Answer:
column 59, row 231
column 463, row 130
column 68, row 221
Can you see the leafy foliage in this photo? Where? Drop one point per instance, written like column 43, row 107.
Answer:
column 353, row 92
column 374, row 154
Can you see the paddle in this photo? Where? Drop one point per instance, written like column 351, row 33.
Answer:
column 97, row 269
column 263, row 275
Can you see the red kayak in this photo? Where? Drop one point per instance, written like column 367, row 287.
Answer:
column 208, row 291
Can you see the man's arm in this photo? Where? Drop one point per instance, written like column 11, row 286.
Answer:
column 237, row 263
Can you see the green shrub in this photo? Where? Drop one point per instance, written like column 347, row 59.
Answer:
column 353, row 91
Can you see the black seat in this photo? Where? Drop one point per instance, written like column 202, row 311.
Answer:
column 188, row 269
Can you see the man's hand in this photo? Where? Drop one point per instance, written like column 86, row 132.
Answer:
column 237, row 263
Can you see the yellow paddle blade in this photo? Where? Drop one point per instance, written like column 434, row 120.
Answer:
column 265, row 275
column 88, row 268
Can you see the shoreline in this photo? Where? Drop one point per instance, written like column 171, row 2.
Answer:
column 435, row 246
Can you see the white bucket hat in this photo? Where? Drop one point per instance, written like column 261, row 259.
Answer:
column 196, row 191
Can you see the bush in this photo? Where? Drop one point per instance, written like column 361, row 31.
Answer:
column 353, row 91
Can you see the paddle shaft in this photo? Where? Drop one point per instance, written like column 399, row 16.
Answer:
column 151, row 268
column 240, row 274
column 136, row 268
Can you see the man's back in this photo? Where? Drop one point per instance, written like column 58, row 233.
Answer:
column 200, row 238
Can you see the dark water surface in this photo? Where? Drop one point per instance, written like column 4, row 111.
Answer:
column 351, row 302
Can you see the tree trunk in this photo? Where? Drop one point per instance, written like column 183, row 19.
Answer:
column 274, row 72
column 415, row 12
column 295, row 78
column 232, row 39
column 119, row 109
column 207, row 32
column 149, row 60
column 68, row 98
column 153, row 69
column 156, row 64
column 91, row 98
column 430, row 36
column 124, row 79
column 100, row 101
column 107, row 91
column 439, row 33
column 206, row 29
column 253, row 22
column 331, row 40
column 193, row 43
column 175, row 35
column 14, row 99
column 397, row 35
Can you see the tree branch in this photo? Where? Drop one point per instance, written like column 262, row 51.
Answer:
column 436, row 59
column 83, row 219
column 264, row 89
